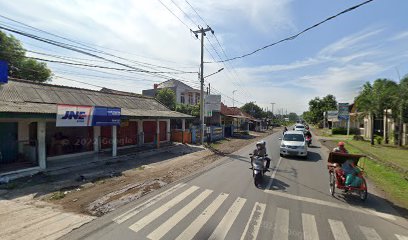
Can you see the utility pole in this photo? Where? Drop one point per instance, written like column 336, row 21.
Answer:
column 202, row 31
column 233, row 99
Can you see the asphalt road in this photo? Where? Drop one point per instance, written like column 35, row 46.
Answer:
column 223, row 203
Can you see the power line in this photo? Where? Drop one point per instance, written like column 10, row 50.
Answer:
column 70, row 47
column 298, row 34
column 175, row 15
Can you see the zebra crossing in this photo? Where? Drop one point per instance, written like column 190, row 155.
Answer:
column 250, row 229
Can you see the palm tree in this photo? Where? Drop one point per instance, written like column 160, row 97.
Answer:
column 401, row 105
column 374, row 99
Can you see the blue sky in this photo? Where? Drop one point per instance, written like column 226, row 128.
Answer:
column 335, row 58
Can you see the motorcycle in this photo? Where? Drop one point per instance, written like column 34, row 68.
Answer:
column 308, row 140
column 258, row 169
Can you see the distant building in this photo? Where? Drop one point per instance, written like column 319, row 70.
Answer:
column 184, row 93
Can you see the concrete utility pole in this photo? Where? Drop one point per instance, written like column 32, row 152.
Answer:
column 202, row 31
column 233, row 99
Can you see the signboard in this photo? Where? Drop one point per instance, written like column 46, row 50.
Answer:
column 86, row 116
column 332, row 116
column 73, row 116
column 212, row 103
column 3, row 72
column 343, row 111
column 106, row 116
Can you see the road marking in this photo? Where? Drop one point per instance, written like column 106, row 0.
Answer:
column 309, row 227
column 338, row 230
column 176, row 218
column 370, row 233
column 273, row 174
column 223, row 227
column 132, row 212
column 331, row 204
column 159, row 211
column 199, row 222
column 254, row 220
column 400, row 237
column 281, row 230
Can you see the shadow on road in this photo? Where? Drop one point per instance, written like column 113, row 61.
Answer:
column 311, row 157
column 372, row 202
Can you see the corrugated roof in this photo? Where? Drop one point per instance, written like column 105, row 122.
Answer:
column 29, row 97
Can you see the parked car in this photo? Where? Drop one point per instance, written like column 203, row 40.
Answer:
column 293, row 143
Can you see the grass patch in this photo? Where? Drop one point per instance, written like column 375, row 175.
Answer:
column 386, row 178
column 57, row 195
column 389, row 154
column 141, row 168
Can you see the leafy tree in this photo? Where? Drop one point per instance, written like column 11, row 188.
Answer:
column 293, row 117
column 20, row 66
column 375, row 98
column 318, row 106
column 254, row 110
column 193, row 110
column 401, row 105
column 167, row 97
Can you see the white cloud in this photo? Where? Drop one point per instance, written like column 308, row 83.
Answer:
column 399, row 36
column 349, row 43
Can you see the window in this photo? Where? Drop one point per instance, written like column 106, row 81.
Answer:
column 294, row 137
column 190, row 98
column 182, row 100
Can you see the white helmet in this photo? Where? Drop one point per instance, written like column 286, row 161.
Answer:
column 262, row 142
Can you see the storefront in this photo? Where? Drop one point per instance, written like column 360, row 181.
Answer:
column 57, row 125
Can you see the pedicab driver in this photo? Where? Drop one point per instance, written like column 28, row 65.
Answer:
column 340, row 148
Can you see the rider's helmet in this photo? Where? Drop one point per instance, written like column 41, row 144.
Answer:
column 260, row 144
column 340, row 144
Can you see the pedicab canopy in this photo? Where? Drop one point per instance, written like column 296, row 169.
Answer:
column 340, row 158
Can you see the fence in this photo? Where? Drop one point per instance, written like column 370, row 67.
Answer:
column 210, row 134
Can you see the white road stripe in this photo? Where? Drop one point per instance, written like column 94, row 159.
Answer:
column 338, row 230
column 281, row 230
column 255, row 221
column 176, row 218
column 401, row 237
column 370, row 233
column 273, row 174
column 162, row 209
column 132, row 212
column 223, row 227
column 309, row 227
column 199, row 222
column 331, row 204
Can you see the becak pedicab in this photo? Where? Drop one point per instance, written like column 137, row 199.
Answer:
column 345, row 174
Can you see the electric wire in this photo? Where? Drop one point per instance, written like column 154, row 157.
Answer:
column 297, row 34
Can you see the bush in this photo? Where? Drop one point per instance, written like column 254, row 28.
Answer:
column 379, row 139
column 358, row 138
column 343, row 131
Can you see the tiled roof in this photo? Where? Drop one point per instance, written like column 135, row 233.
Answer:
column 232, row 112
column 30, row 97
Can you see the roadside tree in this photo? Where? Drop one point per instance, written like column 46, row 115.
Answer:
column 20, row 66
column 167, row 97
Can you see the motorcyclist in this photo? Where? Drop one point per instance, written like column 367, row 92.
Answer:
column 308, row 134
column 285, row 130
column 260, row 151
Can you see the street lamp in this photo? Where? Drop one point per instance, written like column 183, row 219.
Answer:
column 219, row 70
column 233, row 101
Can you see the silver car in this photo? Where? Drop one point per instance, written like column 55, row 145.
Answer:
column 293, row 143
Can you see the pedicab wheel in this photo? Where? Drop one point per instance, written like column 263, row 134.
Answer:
column 281, row 154
column 364, row 193
column 332, row 183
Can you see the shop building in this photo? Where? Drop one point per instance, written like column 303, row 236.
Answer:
column 31, row 135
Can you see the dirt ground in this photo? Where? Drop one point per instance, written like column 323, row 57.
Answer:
column 98, row 196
